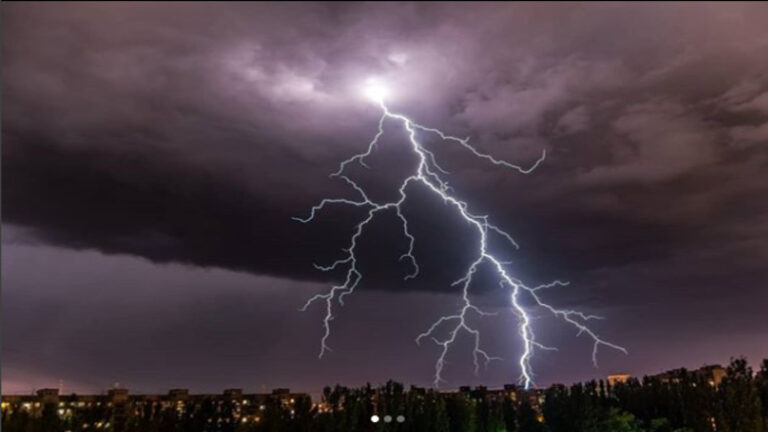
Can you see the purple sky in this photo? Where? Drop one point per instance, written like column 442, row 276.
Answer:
column 153, row 155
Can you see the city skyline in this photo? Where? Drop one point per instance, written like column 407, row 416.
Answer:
column 316, row 394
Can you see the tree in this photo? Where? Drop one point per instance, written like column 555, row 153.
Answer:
column 303, row 414
column 741, row 404
column 528, row 418
column 461, row 414
column 49, row 419
column 557, row 409
column 615, row 421
column 509, row 410
column 761, row 381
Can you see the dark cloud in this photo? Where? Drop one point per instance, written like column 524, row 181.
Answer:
column 165, row 326
column 194, row 133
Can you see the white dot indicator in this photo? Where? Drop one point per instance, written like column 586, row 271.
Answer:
column 374, row 418
column 400, row 419
column 387, row 419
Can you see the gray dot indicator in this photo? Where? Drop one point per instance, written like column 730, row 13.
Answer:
column 400, row 419
column 387, row 419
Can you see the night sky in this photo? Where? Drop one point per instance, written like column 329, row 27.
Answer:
column 154, row 154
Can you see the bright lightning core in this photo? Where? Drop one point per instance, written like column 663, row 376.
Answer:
column 428, row 174
column 375, row 91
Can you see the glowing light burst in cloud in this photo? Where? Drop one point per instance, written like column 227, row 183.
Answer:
column 376, row 91
column 429, row 174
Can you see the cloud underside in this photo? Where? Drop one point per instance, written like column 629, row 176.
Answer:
column 195, row 133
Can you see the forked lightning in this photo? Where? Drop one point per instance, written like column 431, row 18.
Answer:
column 430, row 175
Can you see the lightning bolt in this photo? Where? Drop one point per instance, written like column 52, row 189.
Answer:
column 428, row 174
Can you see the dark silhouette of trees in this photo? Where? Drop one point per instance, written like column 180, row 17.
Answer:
column 761, row 382
column 461, row 413
column 678, row 401
column 509, row 410
column 741, row 399
column 527, row 418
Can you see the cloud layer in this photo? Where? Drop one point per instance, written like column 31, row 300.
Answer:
column 194, row 133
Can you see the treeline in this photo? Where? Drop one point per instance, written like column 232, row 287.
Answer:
column 681, row 401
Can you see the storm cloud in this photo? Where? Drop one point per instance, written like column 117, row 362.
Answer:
column 193, row 133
